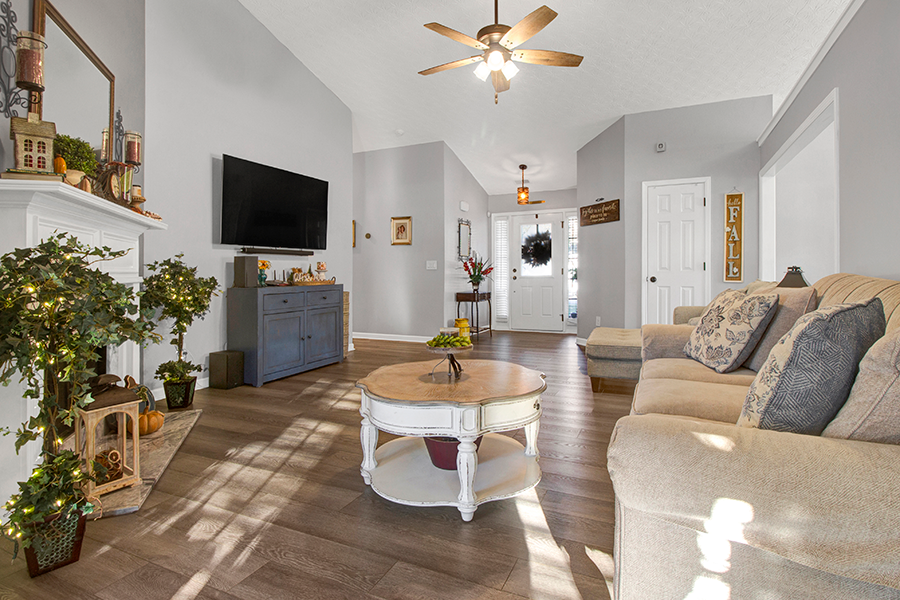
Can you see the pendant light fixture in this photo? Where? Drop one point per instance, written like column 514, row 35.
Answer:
column 522, row 192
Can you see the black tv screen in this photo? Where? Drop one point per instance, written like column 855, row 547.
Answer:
column 266, row 206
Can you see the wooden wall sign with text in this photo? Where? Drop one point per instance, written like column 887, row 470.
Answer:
column 604, row 212
column 734, row 237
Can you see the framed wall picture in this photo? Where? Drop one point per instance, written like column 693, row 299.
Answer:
column 401, row 231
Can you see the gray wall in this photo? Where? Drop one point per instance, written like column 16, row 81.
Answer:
column 715, row 140
column 219, row 83
column 601, row 248
column 461, row 186
column 806, row 237
column 397, row 295
column 863, row 64
column 553, row 199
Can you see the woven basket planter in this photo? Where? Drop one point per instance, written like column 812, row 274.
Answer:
column 180, row 394
column 56, row 543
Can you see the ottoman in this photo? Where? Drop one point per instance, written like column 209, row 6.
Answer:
column 613, row 357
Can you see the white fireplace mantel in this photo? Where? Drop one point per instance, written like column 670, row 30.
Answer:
column 34, row 210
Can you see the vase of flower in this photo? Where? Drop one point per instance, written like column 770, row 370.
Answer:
column 477, row 269
column 263, row 265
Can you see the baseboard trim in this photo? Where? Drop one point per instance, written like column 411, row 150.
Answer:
column 390, row 337
column 159, row 393
column 581, row 341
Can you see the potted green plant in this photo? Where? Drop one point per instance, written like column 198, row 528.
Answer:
column 78, row 156
column 175, row 288
column 56, row 309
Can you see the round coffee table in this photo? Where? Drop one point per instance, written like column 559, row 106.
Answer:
column 489, row 397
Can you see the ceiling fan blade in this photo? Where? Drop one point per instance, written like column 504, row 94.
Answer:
column 547, row 57
column 452, row 65
column 501, row 83
column 455, row 35
column 527, row 27
column 536, row 201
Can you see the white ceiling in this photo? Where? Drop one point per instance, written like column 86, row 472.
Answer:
column 639, row 55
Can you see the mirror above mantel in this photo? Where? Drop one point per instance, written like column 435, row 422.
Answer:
column 80, row 89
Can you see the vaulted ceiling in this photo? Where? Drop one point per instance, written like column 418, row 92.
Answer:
column 639, row 55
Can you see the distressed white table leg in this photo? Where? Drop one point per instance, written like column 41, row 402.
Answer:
column 531, row 433
column 368, row 436
column 466, row 465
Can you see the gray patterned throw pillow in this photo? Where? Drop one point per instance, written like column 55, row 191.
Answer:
column 809, row 373
column 730, row 328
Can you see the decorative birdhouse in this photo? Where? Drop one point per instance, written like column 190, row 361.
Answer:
column 34, row 143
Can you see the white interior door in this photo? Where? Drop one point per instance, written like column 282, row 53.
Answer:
column 675, row 247
column 536, row 279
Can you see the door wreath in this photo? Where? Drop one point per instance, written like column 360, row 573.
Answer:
column 536, row 249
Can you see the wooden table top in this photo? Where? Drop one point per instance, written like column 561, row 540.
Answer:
column 482, row 382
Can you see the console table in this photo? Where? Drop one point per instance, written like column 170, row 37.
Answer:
column 490, row 396
column 285, row 330
column 473, row 299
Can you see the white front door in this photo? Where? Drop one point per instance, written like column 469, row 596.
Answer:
column 537, row 260
column 675, row 247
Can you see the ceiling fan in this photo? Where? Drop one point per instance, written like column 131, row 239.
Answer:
column 498, row 43
column 522, row 193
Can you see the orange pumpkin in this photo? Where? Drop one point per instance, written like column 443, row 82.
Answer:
column 59, row 165
column 149, row 421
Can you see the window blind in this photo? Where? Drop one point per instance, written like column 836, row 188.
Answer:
column 501, row 269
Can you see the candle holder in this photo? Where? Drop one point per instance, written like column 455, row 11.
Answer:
column 133, row 148
column 30, row 62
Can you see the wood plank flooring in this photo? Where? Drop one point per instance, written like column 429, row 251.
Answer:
column 265, row 500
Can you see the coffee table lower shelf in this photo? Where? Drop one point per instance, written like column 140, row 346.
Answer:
column 405, row 474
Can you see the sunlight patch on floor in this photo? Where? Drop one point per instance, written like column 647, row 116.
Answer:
column 605, row 564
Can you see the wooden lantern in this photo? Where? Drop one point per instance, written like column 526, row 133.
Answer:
column 34, row 143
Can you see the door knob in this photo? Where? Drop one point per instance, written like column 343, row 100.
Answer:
column 514, row 270
column 514, row 276
column 653, row 280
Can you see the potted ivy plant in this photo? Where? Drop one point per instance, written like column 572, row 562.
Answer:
column 175, row 288
column 56, row 309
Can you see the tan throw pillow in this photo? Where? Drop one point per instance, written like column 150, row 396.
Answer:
column 872, row 412
column 730, row 328
column 793, row 303
column 808, row 375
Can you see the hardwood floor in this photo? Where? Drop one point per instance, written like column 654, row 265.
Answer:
column 265, row 500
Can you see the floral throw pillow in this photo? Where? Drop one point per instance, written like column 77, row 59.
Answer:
column 730, row 328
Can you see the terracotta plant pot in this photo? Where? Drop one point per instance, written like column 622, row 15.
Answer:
column 59, row 543
column 443, row 451
column 180, row 394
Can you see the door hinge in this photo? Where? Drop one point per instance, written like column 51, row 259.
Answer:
column 562, row 271
column 562, row 224
column 562, row 318
column 704, row 202
column 704, row 265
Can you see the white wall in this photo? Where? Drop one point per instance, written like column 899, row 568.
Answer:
column 862, row 64
column 219, row 83
column 803, row 237
column 397, row 295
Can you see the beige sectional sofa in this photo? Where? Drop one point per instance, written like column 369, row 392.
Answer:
column 708, row 509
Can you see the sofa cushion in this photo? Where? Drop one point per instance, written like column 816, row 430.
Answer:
column 872, row 412
column 730, row 328
column 808, row 375
column 792, row 304
column 690, row 370
column 613, row 343
column 712, row 401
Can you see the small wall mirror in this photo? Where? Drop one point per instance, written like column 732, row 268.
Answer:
column 465, row 239
column 80, row 89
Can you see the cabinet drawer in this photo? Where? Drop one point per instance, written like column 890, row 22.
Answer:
column 326, row 297
column 283, row 301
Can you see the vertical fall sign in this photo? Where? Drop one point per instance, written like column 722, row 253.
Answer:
column 734, row 237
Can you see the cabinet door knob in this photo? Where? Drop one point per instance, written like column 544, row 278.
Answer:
column 309, row 337
column 324, row 297
column 285, row 301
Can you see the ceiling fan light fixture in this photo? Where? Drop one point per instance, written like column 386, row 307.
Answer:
column 509, row 69
column 495, row 60
column 482, row 71
column 522, row 197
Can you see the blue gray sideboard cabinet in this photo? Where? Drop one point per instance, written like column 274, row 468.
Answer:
column 285, row 330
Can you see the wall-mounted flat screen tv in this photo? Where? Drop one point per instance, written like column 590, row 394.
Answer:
column 266, row 206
